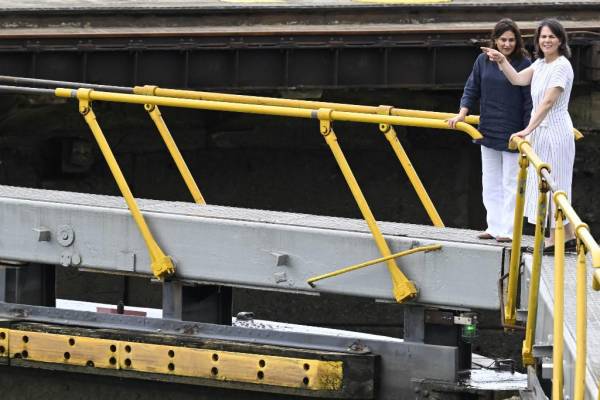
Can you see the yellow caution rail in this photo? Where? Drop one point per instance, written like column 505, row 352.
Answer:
column 386, row 129
column 585, row 244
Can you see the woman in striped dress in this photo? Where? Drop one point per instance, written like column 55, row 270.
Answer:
column 550, row 128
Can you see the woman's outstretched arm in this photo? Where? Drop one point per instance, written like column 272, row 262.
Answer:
column 522, row 78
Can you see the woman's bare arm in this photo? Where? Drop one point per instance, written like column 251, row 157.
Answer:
column 541, row 111
column 522, row 78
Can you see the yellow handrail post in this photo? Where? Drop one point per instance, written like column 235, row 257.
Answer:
column 534, row 286
column 581, row 324
column 161, row 264
column 559, row 304
column 515, row 254
column 392, row 137
column 403, row 288
column 156, row 116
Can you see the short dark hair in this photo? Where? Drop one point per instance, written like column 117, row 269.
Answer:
column 504, row 25
column 559, row 31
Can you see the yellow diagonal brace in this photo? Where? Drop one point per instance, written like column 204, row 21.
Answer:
column 510, row 311
column 175, row 153
column 536, row 267
column 162, row 265
column 403, row 289
column 341, row 271
column 392, row 137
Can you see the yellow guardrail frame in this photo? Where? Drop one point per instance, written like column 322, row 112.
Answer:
column 585, row 243
column 403, row 289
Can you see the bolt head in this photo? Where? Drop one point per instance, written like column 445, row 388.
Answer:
column 65, row 260
column 75, row 259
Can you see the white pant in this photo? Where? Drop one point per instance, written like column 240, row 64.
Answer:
column 499, row 171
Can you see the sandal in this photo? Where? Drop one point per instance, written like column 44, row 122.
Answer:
column 485, row 236
column 570, row 247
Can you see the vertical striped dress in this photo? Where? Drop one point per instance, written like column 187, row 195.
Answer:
column 553, row 139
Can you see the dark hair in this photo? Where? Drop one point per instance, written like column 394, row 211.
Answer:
column 559, row 31
column 504, row 25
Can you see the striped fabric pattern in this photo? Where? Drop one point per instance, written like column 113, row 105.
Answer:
column 553, row 140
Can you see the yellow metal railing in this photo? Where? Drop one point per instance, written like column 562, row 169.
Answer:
column 403, row 288
column 386, row 129
column 271, row 101
column 585, row 243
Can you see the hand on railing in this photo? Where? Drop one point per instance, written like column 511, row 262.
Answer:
column 453, row 121
column 521, row 134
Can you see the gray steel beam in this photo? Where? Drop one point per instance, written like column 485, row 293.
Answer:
column 244, row 248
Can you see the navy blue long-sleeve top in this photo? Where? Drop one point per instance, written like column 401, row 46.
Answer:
column 504, row 108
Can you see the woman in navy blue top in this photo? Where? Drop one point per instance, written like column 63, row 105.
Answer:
column 504, row 109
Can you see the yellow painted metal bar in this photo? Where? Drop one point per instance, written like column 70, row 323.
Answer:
column 265, row 110
column 392, row 137
column 341, row 271
column 581, row 324
column 161, row 264
column 510, row 312
column 406, row 121
column 525, row 148
column 559, row 306
column 403, row 289
column 261, row 369
column 156, row 116
column 534, row 285
column 272, row 101
column 581, row 229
